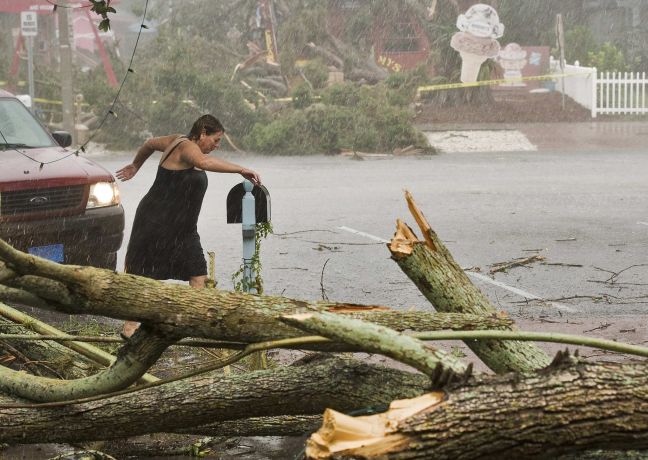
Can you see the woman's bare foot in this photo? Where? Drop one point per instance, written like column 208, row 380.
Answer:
column 129, row 328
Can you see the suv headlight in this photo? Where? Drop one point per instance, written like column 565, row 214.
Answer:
column 103, row 194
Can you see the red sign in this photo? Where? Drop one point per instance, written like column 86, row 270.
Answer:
column 40, row 6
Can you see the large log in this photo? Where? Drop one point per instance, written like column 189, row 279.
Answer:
column 305, row 389
column 559, row 411
column 184, row 311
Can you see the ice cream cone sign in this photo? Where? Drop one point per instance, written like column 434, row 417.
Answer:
column 479, row 27
column 512, row 59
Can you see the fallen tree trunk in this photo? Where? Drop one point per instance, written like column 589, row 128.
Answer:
column 305, row 389
column 183, row 311
column 442, row 281
column 563, row 410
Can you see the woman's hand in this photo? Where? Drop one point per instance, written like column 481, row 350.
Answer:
column 127, row 172
column 251, row 176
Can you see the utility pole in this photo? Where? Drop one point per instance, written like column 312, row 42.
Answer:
column 65, row 71
column 560, row 41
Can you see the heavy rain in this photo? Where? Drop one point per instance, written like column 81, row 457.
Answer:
column 389, row 161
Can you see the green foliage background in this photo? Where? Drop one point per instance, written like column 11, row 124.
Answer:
column 187, row 71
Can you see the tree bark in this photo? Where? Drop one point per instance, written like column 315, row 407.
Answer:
column 286, row 425
column 562, row 410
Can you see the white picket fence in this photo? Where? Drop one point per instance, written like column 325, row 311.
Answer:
column 606, row 93
column 618, row 93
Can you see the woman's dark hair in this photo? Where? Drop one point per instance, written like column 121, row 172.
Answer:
column 208, row 123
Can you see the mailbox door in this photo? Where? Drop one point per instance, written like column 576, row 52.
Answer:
column 261, row 203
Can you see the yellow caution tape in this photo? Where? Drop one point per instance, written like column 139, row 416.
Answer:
column 425, row 89
column 290, row 99
column 50, row 101
column 47, row 101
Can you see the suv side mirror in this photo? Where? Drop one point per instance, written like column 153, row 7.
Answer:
column 63, row 138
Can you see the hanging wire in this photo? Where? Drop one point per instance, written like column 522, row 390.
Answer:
column 110, row 111
column 129, row 70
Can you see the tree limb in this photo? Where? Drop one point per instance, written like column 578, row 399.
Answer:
column 137, row 356
column 436, row 364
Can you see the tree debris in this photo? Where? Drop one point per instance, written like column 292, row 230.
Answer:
column 505, row 266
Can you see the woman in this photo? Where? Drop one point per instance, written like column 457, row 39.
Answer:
column 164, row 242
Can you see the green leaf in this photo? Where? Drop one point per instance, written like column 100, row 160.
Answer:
column 104, row 25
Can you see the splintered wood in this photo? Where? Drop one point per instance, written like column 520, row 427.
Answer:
column 403, row 241
column 344, row 435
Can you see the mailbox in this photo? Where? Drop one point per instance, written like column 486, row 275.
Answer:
column 235, row 206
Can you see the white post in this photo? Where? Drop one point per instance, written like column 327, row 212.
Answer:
column 607, row 90
column 594, row 93
column 643, row 91
column 625, row 92
column 30, row 69
column 248, row 219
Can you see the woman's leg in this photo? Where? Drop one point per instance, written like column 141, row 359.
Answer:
column 198, row 281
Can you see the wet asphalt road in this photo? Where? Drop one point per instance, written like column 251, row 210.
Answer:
column 577, row 208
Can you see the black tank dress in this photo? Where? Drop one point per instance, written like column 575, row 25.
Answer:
column 164, row 242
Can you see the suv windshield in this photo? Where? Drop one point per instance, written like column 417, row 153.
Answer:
column 19, row 128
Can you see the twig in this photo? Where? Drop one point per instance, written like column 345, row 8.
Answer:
column 290, row 268
column 324, row 296
column 346, row 244
column 600, row 328
column 503, row 266
column 302, row 231
column 562, row 265
column 560, row 299
column 615, row 275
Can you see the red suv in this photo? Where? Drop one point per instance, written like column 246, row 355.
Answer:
column 53, row 203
